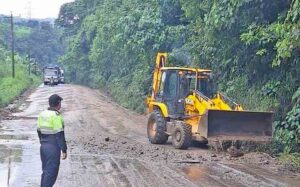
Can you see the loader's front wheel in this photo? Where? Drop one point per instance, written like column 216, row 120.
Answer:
column 182, row 136
column 156, row 128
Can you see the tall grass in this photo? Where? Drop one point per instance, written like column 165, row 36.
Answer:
column 10, row 87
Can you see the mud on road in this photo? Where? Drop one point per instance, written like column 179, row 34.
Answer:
column 108, row 146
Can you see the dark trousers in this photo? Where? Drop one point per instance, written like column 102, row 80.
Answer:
column 50, row 156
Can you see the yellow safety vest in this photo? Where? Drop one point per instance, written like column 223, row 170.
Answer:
column 50, row 122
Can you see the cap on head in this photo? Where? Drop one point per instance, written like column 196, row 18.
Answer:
column 54, row 100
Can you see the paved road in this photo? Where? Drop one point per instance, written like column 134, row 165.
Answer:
column 108, row 147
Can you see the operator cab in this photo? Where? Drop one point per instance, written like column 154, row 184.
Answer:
column 177, row 84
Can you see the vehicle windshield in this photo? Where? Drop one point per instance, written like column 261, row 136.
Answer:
column 190, row 82
column 50, row 72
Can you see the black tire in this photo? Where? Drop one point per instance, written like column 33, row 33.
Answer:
column 182, row 136
column 156, row 128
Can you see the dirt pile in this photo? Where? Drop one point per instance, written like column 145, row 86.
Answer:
column 5, row 114
column 121, row 146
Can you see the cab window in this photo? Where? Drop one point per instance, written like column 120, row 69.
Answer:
column 170, row 84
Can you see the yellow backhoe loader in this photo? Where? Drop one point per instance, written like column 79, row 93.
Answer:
column 181, row 106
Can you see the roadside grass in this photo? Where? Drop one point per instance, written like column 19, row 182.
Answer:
column 10, row 87
column 290, row 160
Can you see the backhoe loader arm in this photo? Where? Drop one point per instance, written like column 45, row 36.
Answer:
column 161, row 60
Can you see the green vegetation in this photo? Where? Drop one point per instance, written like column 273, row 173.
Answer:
column 288, row 131
column 253, row 47
column 38, row 40
column 35, row 41
column 291, row 160
column 13, row 87
column 22, row 32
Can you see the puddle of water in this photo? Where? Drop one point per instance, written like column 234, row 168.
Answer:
column 13, row 137
column 195, row 173
column 267, row 175
column 12, row 153
column 19, row 165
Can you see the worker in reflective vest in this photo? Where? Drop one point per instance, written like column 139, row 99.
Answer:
column 52, row 138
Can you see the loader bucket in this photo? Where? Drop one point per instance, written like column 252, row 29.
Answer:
column 236, row 125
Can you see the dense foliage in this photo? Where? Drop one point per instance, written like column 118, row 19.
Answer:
column 36, row 44
column 13, row 87
column 38, row 40
column 252, row 46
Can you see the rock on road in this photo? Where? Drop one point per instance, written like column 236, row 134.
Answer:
column 108, row 146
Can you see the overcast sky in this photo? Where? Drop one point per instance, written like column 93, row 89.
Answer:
column 32, row 8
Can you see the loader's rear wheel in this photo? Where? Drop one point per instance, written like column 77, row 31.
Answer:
column 182, row 136
column 156, row 128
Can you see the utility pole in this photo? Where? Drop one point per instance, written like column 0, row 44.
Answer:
column 35, row 67
column 29, row 61
column 12, row 45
